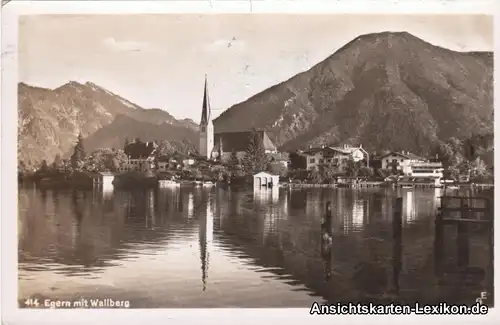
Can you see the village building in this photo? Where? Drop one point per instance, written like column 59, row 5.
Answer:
column 412, row 165
column 333, row 156
column 140, row 156
column 221, row 145
column 425, row 169
column 399, row 161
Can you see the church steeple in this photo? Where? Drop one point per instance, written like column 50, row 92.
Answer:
column 206, row 125
column 205, row 110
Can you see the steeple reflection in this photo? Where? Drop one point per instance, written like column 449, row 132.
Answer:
column 206, row 240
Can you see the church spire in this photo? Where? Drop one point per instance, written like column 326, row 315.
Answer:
column 206, row 112
column 206, row 126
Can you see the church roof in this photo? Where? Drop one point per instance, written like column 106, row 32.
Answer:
column 205, row 110
column 239, row 141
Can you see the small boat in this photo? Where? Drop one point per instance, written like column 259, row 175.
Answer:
column 208, row 184
column 452, row 187
column 406, row 186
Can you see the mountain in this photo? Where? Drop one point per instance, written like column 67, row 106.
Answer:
column 384, row 90
column 50, row 121
column 113, row 136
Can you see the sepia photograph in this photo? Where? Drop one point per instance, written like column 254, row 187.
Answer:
column 254, row 160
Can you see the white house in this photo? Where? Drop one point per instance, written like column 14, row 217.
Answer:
column 334, row 155
column 399, row 160
column 265, row 179
column 425, row 169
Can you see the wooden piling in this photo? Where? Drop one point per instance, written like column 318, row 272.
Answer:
column 463, row 250
column 326, row 237
column 397, row 236
column 438, row 242
column 326, row 225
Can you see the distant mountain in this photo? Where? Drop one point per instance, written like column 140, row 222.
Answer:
column 50, row 120
column 113, row 135
column 384, row 90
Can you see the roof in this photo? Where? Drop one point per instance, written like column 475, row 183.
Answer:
column 341, row 150
column 136, row 150
column 265, row 174
column 240, row 141
column 163, row 159
column 406, row 155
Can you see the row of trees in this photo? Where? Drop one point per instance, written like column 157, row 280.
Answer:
column 105, row 159
column 464, row 158
column 458, row 157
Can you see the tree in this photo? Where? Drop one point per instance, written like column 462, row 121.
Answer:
column 78, row 157
column 21, row 168
column 352, row 168
column 255, row 159
column 127, row 142
column 383, row 173
column 478, row 168
column 297, row 161
column 234, row 161
column 57, row 164
column 105, row 160
column 366, row 172
column 43, row 166
column 165, row 148
column 277, row 168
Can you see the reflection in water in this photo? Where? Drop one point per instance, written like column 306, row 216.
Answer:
column 264, row 195
column 409, row 213
column 358, row 211
column 262, row 248
column 206, row 239
column 190, row 208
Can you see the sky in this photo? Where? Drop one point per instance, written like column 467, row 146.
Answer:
column 160, row 61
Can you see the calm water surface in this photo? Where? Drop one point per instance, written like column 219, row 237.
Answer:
column 200, row 247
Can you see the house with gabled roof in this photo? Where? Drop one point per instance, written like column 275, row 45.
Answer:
column 140, row 156
column 326, row 155
column 400, row 161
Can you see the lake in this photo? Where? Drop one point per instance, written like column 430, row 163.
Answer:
column 212, row 247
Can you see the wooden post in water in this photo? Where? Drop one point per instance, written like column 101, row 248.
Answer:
column 463, row 236
column 326, row 225
column 438, row 240
column 326, row 240
column 397, row 237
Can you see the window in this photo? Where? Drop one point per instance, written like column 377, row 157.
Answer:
column 321, row 161
column 329, row 160
column 203, row 129
column 312, row 160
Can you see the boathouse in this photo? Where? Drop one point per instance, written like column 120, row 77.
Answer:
column 265, row 179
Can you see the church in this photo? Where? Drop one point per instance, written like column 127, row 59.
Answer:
column 220, row 145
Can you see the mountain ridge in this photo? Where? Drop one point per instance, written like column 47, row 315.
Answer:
column 336, row 99
column 51, row 119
